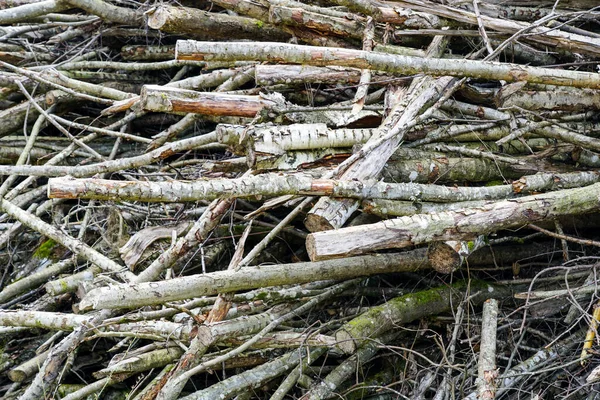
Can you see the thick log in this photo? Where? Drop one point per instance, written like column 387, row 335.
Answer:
column 559, row 98
column 204, row 25
column 324, row 24
column 440, row 168
column 464, row 224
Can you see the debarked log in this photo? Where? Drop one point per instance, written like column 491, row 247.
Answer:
column 137, row 295
column 464, row 224
column 173, row 100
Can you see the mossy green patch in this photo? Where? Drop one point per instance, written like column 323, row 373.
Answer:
column 45, row 250
column 494, row 183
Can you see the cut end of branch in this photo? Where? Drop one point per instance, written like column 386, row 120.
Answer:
column 316, row 223
column 310, row 247
column 443, row 258
column 345, row 342
column 158, row 18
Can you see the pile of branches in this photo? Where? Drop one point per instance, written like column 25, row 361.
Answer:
column 272, row 199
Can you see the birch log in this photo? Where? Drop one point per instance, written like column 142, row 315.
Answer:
column 405, row 65
column 272, row 139
column 464, row 224
column 303, row 184
column 262, row 185
column 136, row 295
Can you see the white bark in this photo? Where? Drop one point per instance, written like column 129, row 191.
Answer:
column 27, row 11
column 465, row 224
column 279, row 139
column 406, row 65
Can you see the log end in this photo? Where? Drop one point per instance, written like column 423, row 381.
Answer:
column 17, row 375
column 317, row 253
column 345, row 342
column 443, row 258
column 158, row 17
column 87, row 303
column 310, row 248
column 316, row 223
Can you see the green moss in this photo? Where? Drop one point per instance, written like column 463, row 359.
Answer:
column 45, row 250
column 471, row 245
column 260, row 24
column 261, row 296
column 410, row 304
column 68, row 388
column 494, row 183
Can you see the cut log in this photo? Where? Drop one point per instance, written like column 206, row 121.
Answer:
column 207, row 25
column 464, row 224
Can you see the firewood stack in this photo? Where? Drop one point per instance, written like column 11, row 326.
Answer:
column 353, row 199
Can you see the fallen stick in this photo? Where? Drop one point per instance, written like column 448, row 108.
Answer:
column 302, row 184
column 137, row 295
column 406, row 65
